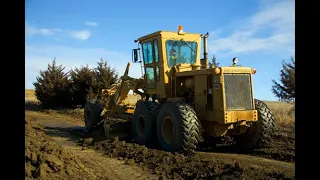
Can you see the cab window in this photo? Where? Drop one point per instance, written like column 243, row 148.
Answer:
column 150, row 77
column 147, row 52
column 181, row 52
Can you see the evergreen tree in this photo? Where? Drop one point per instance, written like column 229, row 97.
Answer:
column 105, row 76
column 52, row 87
column 88, row 83
column 214, row 62
column 285, row 89
column 83, row 79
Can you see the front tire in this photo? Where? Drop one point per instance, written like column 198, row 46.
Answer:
column 144, row 122
column 259, row 134
column 177, row 128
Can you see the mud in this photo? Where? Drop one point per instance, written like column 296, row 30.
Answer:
column 46, row 159
column 57, row 130
column 197, row 166
column 281, row 146
column 201, row 165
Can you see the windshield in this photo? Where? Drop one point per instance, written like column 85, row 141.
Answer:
column 179, row 51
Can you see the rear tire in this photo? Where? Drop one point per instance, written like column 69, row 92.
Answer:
column 177, row 128
column 144, row 122
column 259, row 134
column 92, row 111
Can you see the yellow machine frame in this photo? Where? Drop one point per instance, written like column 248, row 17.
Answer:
column 217, row 119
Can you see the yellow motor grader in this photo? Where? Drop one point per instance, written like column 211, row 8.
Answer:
column 181, row 100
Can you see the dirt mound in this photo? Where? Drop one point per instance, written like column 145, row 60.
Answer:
column 178, row 166
column 282, row 145
column 46, row 159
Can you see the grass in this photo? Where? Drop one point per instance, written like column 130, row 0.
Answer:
column 32, row 103
column 283, row 113
column 30, row 96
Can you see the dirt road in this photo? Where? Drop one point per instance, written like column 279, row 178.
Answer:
column 58, row 128
column 121, row 160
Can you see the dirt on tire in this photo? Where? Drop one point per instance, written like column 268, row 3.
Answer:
column 46, row 159
column 184, row 134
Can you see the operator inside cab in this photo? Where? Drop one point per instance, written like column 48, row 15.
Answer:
column 179, row 51
column 173, row 57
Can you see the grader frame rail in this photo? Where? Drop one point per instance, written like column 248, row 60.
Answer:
column 184, row 100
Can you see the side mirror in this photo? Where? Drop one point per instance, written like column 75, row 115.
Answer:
column 135, row 55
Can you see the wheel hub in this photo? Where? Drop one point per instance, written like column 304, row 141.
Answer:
column 141, row 127
column 168, row 130
column 88, row 116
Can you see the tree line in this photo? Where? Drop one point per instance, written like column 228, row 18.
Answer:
column 56, row 88
column 284, row 89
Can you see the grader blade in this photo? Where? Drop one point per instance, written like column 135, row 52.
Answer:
column 119, row 107
column 117, row 128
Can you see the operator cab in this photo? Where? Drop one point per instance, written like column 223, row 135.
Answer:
column 171, row 48
column 163, row 51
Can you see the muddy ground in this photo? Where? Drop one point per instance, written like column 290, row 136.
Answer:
column 139, row 162
column 45, row 159
column 205, row 164
column 281, row 146
column 52, row 153
column 197, row 166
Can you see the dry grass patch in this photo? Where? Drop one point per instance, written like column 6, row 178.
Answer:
column 77, row 113
column 30, row 96
column 30, row 93
column 283, row 112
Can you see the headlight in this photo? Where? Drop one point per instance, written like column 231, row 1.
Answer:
column 217, row 70
column 235, row 60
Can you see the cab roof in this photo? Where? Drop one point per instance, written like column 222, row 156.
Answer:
column 161, row 32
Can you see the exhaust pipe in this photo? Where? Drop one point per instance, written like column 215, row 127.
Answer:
column 204, row 61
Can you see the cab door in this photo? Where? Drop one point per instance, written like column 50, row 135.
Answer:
column 150, row 51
